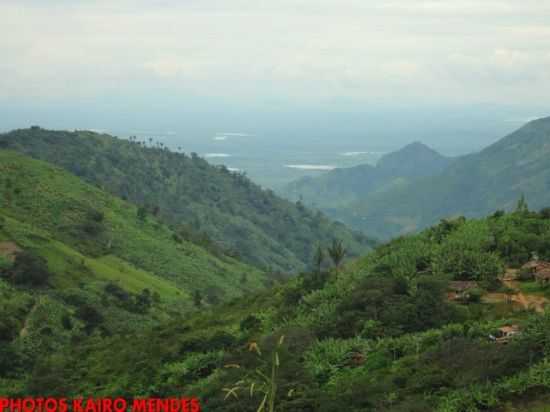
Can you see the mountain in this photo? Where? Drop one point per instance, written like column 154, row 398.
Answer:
column 412, row 161
column 337, row 189
column 220, row 209
column 378, row 334
column 473, row 185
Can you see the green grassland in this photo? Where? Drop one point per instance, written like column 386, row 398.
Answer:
column 81, row 229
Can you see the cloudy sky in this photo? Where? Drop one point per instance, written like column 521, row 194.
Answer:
column 311, row 51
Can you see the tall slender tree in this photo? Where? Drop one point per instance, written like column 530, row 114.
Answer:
column 337, row 252
column 319, row 258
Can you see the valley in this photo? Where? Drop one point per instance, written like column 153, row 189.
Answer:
column 105, row 273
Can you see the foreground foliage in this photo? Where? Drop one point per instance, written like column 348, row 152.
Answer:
column 376, row 335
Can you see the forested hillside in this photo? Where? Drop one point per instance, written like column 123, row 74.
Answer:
column 473, row 185
column 84, row 233
column 336, row 190
column 206, row 204
column 380, row 334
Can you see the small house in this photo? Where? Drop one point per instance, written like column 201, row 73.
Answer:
column 535, row 266
column 505, row 333
column 539, row 269
column 460, row 289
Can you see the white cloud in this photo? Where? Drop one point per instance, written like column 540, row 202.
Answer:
column 299, row 50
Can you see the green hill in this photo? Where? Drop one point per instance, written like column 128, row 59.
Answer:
column 207, row 204
column 377, row 335
column 83, row 231
column 77, row 264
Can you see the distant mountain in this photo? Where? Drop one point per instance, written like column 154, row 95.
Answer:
column 472, row 185
column 339, row 188
column 413, row 160
column 209, row 205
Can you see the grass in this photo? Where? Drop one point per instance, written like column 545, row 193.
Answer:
column 534, row 288
column 53, row 211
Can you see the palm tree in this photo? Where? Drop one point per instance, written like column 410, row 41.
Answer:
column 337, row 252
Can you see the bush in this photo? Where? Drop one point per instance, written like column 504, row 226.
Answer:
column 66, row 322
column 250, row 323
column 5, row 264
column 474, row 296
column 90, row 316
column 545, row 213
column 7, row 330
column 29, row 269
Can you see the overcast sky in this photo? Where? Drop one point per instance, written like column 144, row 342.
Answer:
column 311, row 52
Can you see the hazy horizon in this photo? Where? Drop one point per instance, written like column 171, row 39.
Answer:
column 324, row 77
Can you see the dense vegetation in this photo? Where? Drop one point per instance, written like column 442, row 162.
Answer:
column 377, row 334
column 472, row 185
column 221, row 210
column 52, row 219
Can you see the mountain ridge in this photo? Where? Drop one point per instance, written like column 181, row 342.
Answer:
column 208, row 203
column 342, row 186
column 473, row 185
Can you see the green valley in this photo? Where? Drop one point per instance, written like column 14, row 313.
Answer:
column 380, row 333
column 222, row 210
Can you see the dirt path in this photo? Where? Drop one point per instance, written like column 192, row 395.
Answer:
column 527, row 301
column 9, row 250
column 25, row 329
column 524, row 300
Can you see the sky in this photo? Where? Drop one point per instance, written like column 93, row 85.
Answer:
column 134, row 57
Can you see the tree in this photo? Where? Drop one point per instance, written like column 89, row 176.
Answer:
column 29, row 269
column 197, row 298
column 337, row 252
column 142, row 213
column 545, row 213
column 522, row 205
column 90, row 316
column 319, row 258
column 143, row 301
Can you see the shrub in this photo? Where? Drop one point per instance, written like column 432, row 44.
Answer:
column 90, row 316
column 66, row 322
column 29, row 269
column 116, row 291
column 250, row 323
column 474, row 296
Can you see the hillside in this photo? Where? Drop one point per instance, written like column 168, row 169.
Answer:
column 220, row 209
column 337, row 189
column 473, row 185
column 381, row 334
column 79, row 265
column 84, row 232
